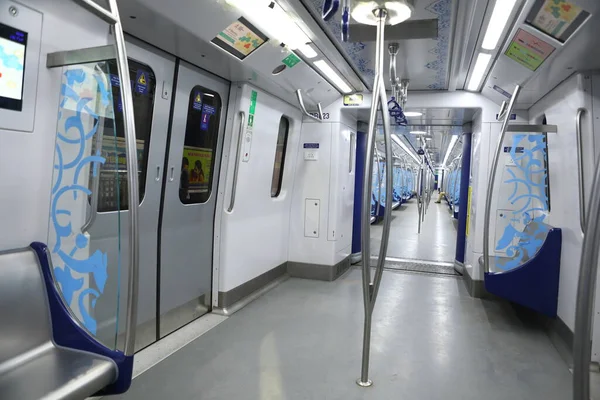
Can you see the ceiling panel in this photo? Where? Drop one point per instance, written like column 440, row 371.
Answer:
column 425, row 62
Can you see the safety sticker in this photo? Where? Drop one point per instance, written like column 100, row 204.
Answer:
column 247, row 143
column 141, row 82
column 291, row 60
column 114, row 80
column 197, row 101
column 207, row 111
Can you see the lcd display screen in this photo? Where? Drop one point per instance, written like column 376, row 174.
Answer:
column 240, row 39
column 13, row 45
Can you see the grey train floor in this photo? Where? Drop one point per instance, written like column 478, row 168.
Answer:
column 437, row 241
column 302, row 340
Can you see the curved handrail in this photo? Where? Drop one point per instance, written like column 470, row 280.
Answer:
column 303, row 107
column 580, row 170
column 133, row 185
column 330, row 8
column 492, row 177
column 236, row 166
column 582, row 340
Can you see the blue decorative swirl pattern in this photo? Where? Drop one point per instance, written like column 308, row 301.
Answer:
column 82, row 277
column 363, row 54
column 526, row 182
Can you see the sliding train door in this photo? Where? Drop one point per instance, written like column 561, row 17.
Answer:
column 190, row 192
column 151, row 73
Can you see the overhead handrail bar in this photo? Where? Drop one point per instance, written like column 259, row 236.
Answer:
column 236, row 166
column 371, row 289
column 580, row 170
column 111, row 17
column 393, row 50
column 584, row 309
column 303, row 107
column 492, row 176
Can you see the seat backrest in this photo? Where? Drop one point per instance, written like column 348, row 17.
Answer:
column 24, row 314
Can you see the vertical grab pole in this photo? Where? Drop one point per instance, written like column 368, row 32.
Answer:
column 582, row 341
column 492, row 177
column 580, row 173
column 132, row 186
column 370, row 290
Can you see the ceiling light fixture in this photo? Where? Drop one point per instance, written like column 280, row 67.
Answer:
column 483, row 60
column 498, row 21
column 412, row 114
column 453, row 141
column 307, row 51
column 398, row 11
column 333, row 76
column 418, row 132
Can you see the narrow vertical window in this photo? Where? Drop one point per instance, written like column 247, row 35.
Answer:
column 282, row 136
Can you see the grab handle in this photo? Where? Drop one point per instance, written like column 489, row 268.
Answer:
column 303, row 107
column 580, row 170
column 330, row 8
column 236, row 166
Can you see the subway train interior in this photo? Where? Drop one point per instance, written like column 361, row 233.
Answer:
column 299, row 199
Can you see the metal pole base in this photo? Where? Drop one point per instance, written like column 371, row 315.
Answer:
column 368, row 383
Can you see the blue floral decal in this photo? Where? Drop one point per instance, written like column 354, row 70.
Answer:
column 527, row 185
column 82, row 277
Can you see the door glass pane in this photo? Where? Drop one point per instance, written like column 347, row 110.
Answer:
column 143, row 85
column 201, row 134
column 85, row 119
column 520, row 202
column 284, row 127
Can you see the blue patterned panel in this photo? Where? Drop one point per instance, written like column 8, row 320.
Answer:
column 523, row 200
column 81, row 274
column 431, row 70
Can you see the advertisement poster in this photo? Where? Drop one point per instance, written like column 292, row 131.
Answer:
column 240, row 38
column 556, row 16
column 196, row 161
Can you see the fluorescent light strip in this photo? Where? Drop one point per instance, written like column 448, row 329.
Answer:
column 412, row 114
column 331, row 74
column 498, row 21
column 483, row 60
column 400, row 143
column 453, row 141
column 418, row 132
column 307, row 51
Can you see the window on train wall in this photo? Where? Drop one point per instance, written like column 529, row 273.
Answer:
column 198, row 158
column 112, row 193
column 282, row 137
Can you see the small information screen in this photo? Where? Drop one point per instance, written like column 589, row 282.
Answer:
column 241, row 38
column 13, row 44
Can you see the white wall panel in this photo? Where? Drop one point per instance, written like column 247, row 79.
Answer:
column 254, row 236
column 560, row 108
column 26, row 159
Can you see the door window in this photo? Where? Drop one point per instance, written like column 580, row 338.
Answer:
column 282, row 136
column 200, row 145
column 112, row 193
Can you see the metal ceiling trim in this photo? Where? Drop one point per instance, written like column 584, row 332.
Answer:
column 333, row 41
